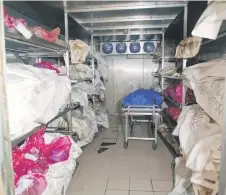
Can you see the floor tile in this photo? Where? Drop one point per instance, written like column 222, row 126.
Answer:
column 120, row 171
column 116, row 192
column 141, row 193
column 109, row 140
column 162, row 186
column 110, row 134
column 89, row 191
column 142, row 185
column 118, row 184
column 160, row 193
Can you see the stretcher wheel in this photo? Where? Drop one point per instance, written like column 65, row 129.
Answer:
column 125, row 145
column 154, row 146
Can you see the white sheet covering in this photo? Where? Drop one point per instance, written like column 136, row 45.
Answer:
column 83, row 122
column 210, row 21
column 85, row 127
column 200, row 140
column 59, row 175
column 34, row 96
column 193, row 125
column 207, row 81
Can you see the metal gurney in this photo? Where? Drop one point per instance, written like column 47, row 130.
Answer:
column 141, row 114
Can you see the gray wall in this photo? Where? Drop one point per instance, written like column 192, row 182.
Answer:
column 125, row 74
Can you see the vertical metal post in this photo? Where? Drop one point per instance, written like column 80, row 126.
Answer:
column 6, row 168
column 93, row 67
column 222, row 174
column 163, row 58
column 184, row 60
column 67, row 62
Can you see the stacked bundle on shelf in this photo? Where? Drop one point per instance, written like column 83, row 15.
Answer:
column 35, row 95
column 200, row 126
column 101, row 77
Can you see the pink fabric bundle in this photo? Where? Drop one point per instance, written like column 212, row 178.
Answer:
column 175, row 92
column 47, row 65
column 10, row 21
column 32, row 159
column 174, row 112
column 50, row 36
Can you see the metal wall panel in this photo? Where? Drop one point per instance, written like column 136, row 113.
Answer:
column 125, row 75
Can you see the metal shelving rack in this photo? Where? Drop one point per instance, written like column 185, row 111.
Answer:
column 185, row 19
column 46, row 49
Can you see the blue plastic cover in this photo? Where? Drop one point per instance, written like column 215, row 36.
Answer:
column 143, row 97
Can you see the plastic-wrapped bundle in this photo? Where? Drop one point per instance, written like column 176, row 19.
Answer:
column 50, row 36
column 134, row 47
column 143, row 97
column 107, row 48
column 121, row 47
column 149, row 47
column 79, row 51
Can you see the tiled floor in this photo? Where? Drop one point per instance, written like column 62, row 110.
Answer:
column 137, row 170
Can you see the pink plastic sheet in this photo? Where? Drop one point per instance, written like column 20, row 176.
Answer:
column 47, row 65
column 50, row 36
column 10, row 21
column 37, row 184
column 174, row 112
column 32, row 159
column 174, row 91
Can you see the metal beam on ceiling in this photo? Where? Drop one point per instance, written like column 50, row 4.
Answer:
column 138, row 32
column 129, row 27
column 123, row 6
column 124, row 19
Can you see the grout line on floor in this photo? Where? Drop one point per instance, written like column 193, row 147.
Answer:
column 106, row 186
column 152, row 185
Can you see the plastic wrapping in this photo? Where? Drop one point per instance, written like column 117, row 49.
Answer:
column 10, row 21
column 47, row 65
column 32, row 160
column 174, row 112
column 188, row 48
column 32, row 184
column 143, row 97
column 209, row 23
column 50, row 36
column 79, row 51
column 174, row 91
column 80, row 71
column 102, row 66
column 102, row 117
column 44, row 94
column 84, row 86
column 208, row 83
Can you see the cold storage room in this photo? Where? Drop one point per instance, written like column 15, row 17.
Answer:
column 112, row 97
